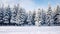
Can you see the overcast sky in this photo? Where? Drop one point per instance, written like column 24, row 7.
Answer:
column 31, row 4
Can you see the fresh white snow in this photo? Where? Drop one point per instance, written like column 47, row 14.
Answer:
column 29, row 30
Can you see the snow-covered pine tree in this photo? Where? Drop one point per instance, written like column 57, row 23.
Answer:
column 57, row 16
column 1, row 15
column 14, row 15
column 43, row 17
column 29, row 18
column 49, row 17
column 33, row 17
column 21, row 16
column 7, row 15
column 38, row 18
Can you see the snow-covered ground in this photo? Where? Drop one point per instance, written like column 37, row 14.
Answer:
column 29, row 30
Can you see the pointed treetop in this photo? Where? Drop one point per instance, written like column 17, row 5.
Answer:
column 49, row 6
column 57, row 5
column 57, row 8
column 17, row 4
column 34, row 11
column 29, row 11
column 14, row 5
column 39, row 9
column 42, row 9
column 8, row 6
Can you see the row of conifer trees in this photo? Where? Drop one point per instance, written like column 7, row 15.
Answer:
column 19, row 17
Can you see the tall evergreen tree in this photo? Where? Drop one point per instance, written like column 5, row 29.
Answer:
column 1, row 15
column 49, row 17
column 43, row 17
column 21, row 16
column 57, row 16
column 14, row 15
column 7, row 15
column 29, row 18
column 33, row 17
column 38, row 18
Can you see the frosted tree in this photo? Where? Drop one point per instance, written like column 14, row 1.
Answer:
column 7, row 15
column 29, row 18
column 33, row 17
column 38, row 18
column 49, row 17
column 43, row 17
column 57, row 15
column 14, row 15
column 21, row 16
column 1, row 15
